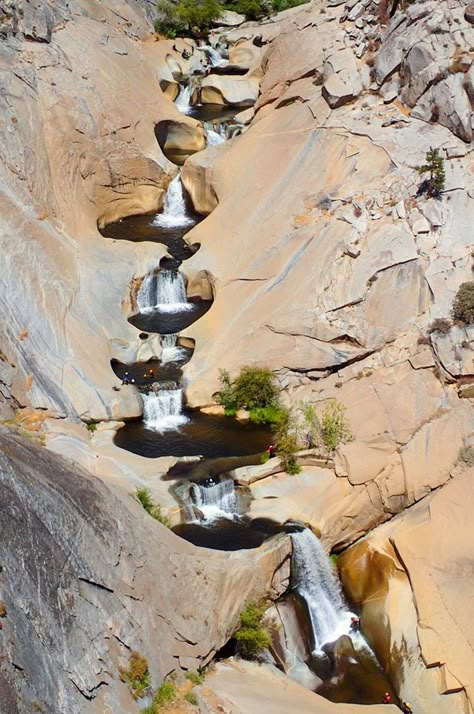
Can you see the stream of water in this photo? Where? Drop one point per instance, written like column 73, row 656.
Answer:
column 316, row 582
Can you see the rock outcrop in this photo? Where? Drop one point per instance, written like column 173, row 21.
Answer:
column 87, row 577
column 413, row 579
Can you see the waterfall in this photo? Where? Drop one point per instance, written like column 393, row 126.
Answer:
column 215, row 57
column 162, row 410
column 216, row 501
column 317, row 584
column 183, row 100
column 170, row 351
column 174, row 211
column 164, row 291
column 215, row 137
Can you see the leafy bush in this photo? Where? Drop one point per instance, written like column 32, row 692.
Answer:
column 137, row 675
column 327, row 429
column 440, row 324
column 335, row 428
column 463, row 305
column 287, row 448
column 254, row 388
column 434, row 166
column 252, row 636
column 143, row 496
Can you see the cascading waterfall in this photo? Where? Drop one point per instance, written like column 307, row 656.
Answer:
column 317, row 584
column 216, row 501
column 183, row 100
column 164, row 291
column 170, row 350
column 215, row 57
column 162, row 410
column 174, row 211
column 215, row 137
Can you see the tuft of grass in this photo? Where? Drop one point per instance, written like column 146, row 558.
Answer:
column 195, row 678
column 92, row 426
column 143, row 496
column 191, row 698
column 440, row 324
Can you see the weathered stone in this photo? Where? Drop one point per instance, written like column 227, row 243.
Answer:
column 229, row 89
column 469, row 13
column 229, row 19
column 336, row 92
column 453, row 106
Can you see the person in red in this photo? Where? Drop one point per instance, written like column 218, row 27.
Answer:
column 271, row 451
column 387, row 699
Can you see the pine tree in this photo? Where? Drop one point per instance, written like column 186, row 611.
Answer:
column 435, row 167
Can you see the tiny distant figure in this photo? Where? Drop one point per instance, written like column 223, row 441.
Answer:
column 387, row 699
column 185, row 54
column 151, row 373
column 407, row 708
column 355, row 624
column 126, row 379
column 132, row 381
column 271, row 451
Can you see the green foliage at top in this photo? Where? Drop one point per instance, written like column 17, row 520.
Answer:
column 255, row 388
column 252, row 636
column 186, row 17
column 143, row 496
column 136, row 675
column 196, row 17
column 463, row 305
column 434, row 166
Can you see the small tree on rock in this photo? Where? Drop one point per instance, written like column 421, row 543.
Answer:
column 463, row 305
column 435, row 183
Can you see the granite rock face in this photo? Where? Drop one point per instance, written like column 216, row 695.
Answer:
column 88, row 576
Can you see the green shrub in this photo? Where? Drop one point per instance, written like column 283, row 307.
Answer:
column 137, row 675
column 143, row 496
column 264, row 457
column 434, row 166
column 195, row 677
column 463, row 305
column 188, row 17
column 287, row 448
column 252, row 636
column 92, row 426
column 254, row 388
column 191, row 698
column 335, row 429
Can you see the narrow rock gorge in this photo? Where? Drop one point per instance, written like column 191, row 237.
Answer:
column 284, row 195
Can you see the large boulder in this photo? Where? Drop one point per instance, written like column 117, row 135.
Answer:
column 411, row 578
column 229, row 89
column 453, row 106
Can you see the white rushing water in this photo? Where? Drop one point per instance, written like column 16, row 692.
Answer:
column 317, row 583
column 163, row 410
column 215, row 58
column 164, row 291
column 183, row 100
column 174, row 211
column 215, row 137
column 217, row 501
column 170, row 351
